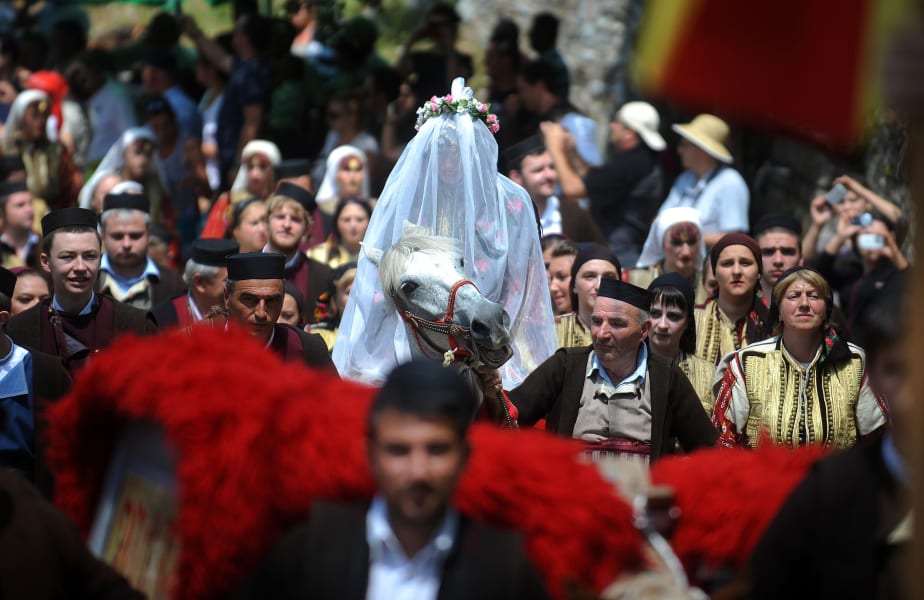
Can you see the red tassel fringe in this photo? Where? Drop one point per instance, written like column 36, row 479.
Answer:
column 259, row 441
column 727, row 498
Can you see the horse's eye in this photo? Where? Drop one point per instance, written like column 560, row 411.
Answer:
column 461, row 263
column 408, row 287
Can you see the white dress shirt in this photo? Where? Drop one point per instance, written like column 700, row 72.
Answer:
column 394, row 576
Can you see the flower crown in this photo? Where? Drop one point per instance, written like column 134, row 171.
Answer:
column 459, row 100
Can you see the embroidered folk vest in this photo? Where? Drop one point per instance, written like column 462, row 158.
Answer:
column 716, row 335
column 798, row 405
column 571, row 331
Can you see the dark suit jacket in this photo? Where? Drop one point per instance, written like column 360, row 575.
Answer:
column 294, row 345
column 165, row 314
column 830, row 538
column 327, row 557
column 44, row 555
column 51, row 382
column 553, row 391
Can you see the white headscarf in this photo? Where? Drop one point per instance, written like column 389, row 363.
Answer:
column 493, row 220
column 114, row 161
column 251, row 149
column 653, row 251
column 328, row 193
column 14, row 120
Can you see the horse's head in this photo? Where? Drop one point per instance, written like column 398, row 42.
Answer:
column 423, row 276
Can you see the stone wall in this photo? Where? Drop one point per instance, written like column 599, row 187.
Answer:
column 592, row 38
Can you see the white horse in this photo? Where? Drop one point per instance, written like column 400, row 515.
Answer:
column 445, row 314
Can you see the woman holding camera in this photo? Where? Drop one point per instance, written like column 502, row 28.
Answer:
column 806, row 385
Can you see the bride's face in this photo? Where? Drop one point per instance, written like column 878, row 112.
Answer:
column 450, row 167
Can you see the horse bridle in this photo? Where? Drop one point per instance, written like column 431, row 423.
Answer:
column 453, row 332
column 446, row 326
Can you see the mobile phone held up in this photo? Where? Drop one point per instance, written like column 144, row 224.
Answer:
column 870, row 241
column 864, row 220
column 836, row 195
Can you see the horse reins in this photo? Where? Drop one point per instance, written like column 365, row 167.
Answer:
column 452, row 330
column 445, row 326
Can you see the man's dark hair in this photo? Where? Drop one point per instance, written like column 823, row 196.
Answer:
column 6, row 303
column 49, row 239
column 426, row 390
column 256, row 29
column 9, row 46
column 443, row 11
column 158, row 105
column 538, row 71
column 505, row 30
column 163, row 30
column 543, row 33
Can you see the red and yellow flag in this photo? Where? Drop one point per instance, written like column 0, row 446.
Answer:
column 805, row 66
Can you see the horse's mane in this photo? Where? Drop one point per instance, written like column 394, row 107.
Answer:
column 415, row 239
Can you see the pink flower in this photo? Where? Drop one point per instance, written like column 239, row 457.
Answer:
column 448, row 98
column 495, row 128
column 433, row 99
column 483, row 107
column 492, row 118
column 434, row 107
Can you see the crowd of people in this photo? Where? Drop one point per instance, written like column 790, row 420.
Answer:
column 146, row 187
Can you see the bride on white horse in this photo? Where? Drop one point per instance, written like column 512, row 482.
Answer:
column 447, row 182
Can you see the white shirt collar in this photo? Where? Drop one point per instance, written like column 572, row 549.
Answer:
column 550, row 219
column 83, row 311
column 384, row 545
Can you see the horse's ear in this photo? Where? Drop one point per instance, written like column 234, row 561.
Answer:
column 412, row 228
column 373, row 254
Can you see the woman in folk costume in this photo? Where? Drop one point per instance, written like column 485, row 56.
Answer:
column 737, row 316
column 804, row 386
column 50, row 172
column 255, row 178
column 674, row 245
column 134, row 158
column 328, row 308
column 447, row 181
column 346, row 175
column 351, row 219
column 591, row 264
column 673, row 333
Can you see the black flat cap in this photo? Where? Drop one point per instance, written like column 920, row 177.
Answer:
column 7, row 282
column 12, row 187
column 678, row 281
column 297, row 193
column 11, row 164
column 67, row 217
column 624, row 292
column 256, row 265
column 534, row 144
column 127, row 202
column 213, row 252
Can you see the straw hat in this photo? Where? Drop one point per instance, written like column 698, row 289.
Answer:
column 709, row 134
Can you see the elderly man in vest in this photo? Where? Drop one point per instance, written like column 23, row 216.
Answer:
column 613, row 394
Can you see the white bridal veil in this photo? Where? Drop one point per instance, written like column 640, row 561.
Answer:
column 447, row 181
